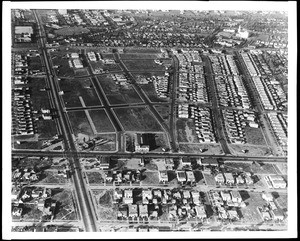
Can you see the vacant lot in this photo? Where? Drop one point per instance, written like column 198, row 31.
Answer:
column 281, row 168
column 206, row 149
column 237, row 149
column 143, row 65
column 132, row 56
column 117, row 94
column 151, row 93
column 95, row 177
column 65, row 205
column 282, row 200
column 34, row 63
column 263, row 168
column 50, row 176
column 254, row 136
column 209, row 179
column 106, row 210
column 69, row 31
column 74, row 88
column 150, row 177
column 141, row 50
column 250, row 212
column 164, row 111
column 79, row 123
column 60, row 59
column 137, row 119
column 81, row 72
column 101, row 121
column 38, row 98
column 186, row 131
column 108, row 146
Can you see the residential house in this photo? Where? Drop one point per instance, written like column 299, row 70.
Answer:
column 219, row 178
column 248, row 180
column 277, row 214
column 229, row 178
column 200, row 211
column 186, row 194
column 225, row 196
column 236, row 196
column 132, row 210
column 127, row 198
column 233, row 215
column 146, row 196
column 277, row 181
column 163, row 176
column 195, row 197
column 143, row 211
column 17, row 212
column 190, row 177
column 181, row 176
column 123, row 212
column 239, row 180
column 117, row 195
column 267, row 196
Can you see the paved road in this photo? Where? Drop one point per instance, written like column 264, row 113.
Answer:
column 174, row 83
column 217, row 116
column 266, row 159
column 84, row 202
column 145, row 99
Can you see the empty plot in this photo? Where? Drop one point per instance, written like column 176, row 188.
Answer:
column 101, row 121
column 74, row 88
column 142, row 65
column 80, row 123
column 137, row 119
column 254, row 136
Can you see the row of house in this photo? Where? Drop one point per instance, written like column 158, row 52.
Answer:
column 22, row 116
column 192, row 86
column 93, row 16
column 224, row 203
column 235, row 122
column 203, row 124
column 161, row 86
column 279, row 125
column 231, row 90
column 182, row 203
column 228, row 179
column 275, row 181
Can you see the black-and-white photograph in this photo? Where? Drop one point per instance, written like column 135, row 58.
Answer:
column 166, row 117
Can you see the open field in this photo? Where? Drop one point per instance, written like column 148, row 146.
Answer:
column 117, row 94
column 209, row 179
column 80, row 124
column 150, row 177
column 81, row 72
column 69, row 31
column 106, row 210
column 151, row 93
column 50, row 176
column 65, row 205
column 282, row 200
column 281, row 168
column 73, row 89
column 254, row 136
column 250, row 212
column 205, row 148
column 132, row 56
column 253, row 150
column 101, row 121
column 95, row 177
column 265, row 168
column 164, row 111
column 186, row 131
column 34, row 63
column 97, row 65
column 141, row 50
column 39, row 99
column 60, row 59
column 143, row 65
column 137, row 119
column 109, row 146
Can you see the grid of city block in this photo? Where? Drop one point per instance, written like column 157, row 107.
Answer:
column 149, row 120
